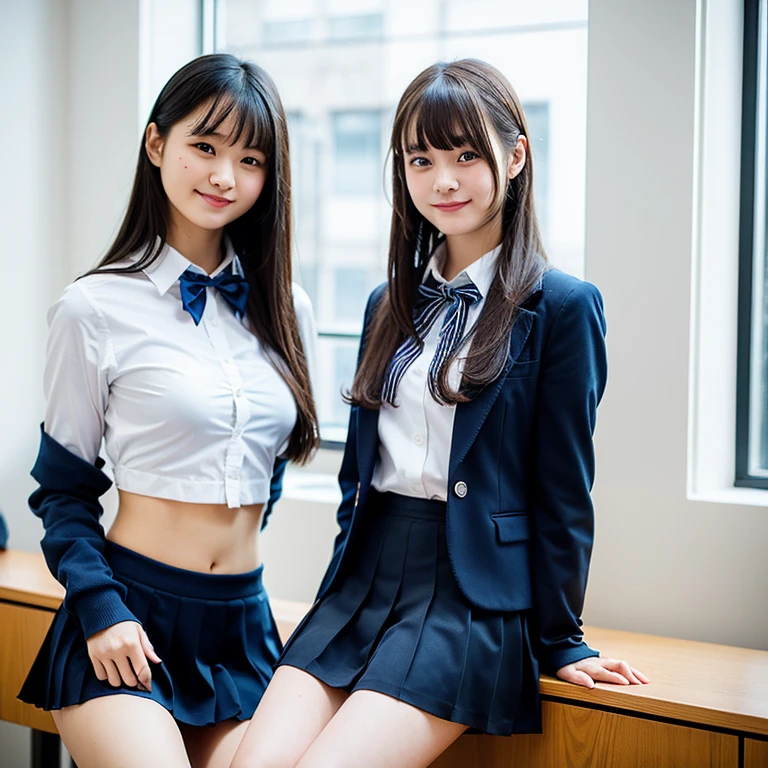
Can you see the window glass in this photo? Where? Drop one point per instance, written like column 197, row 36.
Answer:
column 752, row 384
column 341, row 67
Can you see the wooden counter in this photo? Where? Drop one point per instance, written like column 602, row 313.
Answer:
column 707, row 705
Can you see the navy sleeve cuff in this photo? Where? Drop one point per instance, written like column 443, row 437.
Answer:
column 553, row 660
column 101, row 609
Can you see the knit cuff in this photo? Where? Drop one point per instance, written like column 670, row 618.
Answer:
column 100, row 609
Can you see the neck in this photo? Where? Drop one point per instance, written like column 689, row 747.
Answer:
column 463, row 250
column 202, row 247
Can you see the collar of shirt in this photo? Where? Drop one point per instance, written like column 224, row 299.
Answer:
column 480, row 272
column 169, row 266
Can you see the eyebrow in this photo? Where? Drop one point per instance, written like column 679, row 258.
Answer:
column 222, row 137
column 457, row 141
column 411, row 149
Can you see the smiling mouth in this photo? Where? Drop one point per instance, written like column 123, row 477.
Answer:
column 449, row 207
column 215, row 200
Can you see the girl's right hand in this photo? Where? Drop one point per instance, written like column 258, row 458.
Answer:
column 119, row 655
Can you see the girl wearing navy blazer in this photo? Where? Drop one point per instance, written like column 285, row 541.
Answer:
column 187, row 352
column 466, row 519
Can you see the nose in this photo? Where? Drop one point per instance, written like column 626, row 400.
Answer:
column 445, row 179
column 222, row 175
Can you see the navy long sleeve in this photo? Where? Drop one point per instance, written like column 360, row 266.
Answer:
column 67, row 502
column 572, row 381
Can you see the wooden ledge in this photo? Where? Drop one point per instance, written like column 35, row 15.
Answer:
column 692, row 682
column 25, row 578
column 711, row 685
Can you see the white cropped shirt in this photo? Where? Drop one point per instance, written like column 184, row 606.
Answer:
column 415, row 437
column 189, row 413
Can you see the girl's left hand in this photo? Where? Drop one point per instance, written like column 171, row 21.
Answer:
column 587, row 672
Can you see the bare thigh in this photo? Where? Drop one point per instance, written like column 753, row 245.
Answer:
column 378, row 731
column 213, row 746
column 121, row 731
column 294, row 710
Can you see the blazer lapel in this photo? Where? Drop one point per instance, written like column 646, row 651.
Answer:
column 471, row 416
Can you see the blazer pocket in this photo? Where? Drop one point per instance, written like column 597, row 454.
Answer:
column 522, row 369
column 512, row 526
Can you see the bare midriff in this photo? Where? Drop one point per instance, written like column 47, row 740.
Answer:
column 209, row 538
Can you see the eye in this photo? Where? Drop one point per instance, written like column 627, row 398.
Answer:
column 255, row 162
column 203, row 147
column 419, row 162
column 467, row 156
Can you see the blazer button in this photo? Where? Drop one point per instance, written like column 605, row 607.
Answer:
column 460, row 489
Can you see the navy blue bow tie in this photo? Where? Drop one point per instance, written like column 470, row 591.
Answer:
column 433, row 296
column 233, row 289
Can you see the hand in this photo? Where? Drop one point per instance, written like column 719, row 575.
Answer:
column 587, row 672
column 119, row 655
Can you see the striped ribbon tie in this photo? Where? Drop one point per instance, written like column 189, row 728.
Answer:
column 433, row 296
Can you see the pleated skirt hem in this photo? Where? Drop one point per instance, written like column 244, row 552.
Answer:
column 398, row 624
column 218, row 647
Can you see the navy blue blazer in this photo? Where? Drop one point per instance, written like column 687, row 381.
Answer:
column 519, row 514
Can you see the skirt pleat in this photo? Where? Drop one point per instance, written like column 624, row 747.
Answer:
column 397, row 623
column 215, row 634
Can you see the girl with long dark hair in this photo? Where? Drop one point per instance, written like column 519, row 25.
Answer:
column 188, row 351
column 466, row 519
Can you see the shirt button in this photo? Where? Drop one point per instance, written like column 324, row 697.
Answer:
column 237, row 433
column 214, row 321
column 460, row 489
column 232, row 474
column 418, row 439
column 238, row 392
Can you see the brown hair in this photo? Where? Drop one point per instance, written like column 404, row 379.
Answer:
column 261, row 237
column 446, row 106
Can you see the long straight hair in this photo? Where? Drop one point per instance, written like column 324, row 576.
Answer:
column 225, row 85
column 446, row 106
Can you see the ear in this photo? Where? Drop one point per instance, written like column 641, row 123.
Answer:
column 517, row 157
column 154, row 143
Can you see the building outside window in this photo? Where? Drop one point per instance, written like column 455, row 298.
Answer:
column 340, row 67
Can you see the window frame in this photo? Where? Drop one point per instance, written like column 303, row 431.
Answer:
column 747, row 219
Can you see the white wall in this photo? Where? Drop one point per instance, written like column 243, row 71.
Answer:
column 34, row 134
column 662, row 563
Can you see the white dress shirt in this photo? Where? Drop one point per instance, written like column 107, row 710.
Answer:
column 415, row 437
column 194, row 413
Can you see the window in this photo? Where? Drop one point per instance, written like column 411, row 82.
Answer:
column 291, row 32
column 356, row 152
column 752, row 382
column 364, row 27
column 340, row 75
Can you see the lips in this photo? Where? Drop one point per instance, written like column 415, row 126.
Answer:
column 450, row 207
column 215, row 200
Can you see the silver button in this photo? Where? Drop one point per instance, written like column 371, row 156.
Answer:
column 460, row 489
column 418, row 439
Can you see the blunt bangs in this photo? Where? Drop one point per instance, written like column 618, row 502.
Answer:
column 445, row 115
column 252, row 123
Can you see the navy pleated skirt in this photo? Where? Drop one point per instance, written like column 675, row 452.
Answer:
column 214, row 632
column 398, row 624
